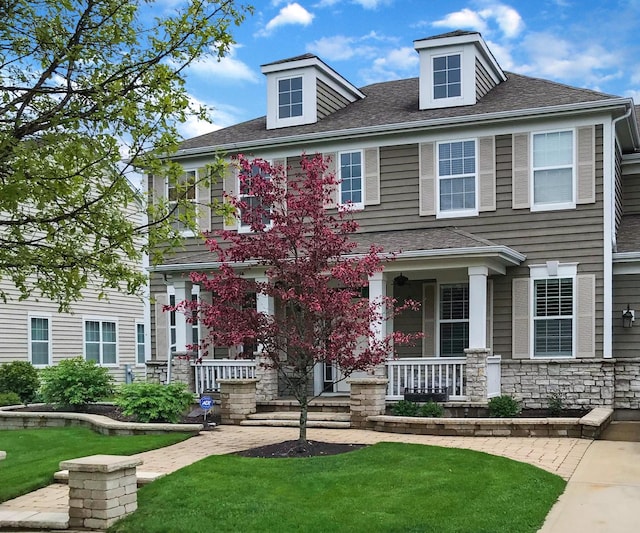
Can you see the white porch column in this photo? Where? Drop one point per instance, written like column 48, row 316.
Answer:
column 377, row 292
column 478, row 307
column 267, row 385
column 183, row 293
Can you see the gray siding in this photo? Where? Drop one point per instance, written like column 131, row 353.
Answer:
column 484, row 83
column 631, row 190
column 626, row 291
column 328, row 100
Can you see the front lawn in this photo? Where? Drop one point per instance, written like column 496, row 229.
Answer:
column 34, row 455
column 388, row 487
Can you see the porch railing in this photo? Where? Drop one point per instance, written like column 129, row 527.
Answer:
column 493, row 376
column 426, row 373
column 208, row 372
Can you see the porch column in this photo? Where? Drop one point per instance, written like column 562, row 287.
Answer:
column 267, row 385
column 183, row 293
column 478, row 307
column 377, row 294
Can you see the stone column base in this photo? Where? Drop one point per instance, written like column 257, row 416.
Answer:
column 367, row 398
column 237, row 399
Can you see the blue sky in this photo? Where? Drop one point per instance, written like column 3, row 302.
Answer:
column 586, row 43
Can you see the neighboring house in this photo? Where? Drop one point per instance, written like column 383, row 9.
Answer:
column 112, row 330
column 514, row 203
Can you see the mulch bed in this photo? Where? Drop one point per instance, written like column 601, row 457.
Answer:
column 289, row 448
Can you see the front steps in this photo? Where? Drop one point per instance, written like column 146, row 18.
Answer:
column 332, row 420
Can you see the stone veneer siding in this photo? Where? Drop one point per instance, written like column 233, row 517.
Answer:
column 181, row 371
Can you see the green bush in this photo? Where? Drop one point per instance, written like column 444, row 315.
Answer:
column 21, row 378
column 431, row 409
column 75, row 382
column 152, row 402
column 9, row 398
column 405, row 408
column 503, row 407
column 555, row 402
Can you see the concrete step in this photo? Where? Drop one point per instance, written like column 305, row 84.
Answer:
column 292, row 415
column 62, row 476
column 328, row 424
column 628, row 431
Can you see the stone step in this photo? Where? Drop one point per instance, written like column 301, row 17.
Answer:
column 143, row 478
column 328, row 424
column 292, row 415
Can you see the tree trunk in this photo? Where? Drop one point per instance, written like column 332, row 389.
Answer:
column 303, row 400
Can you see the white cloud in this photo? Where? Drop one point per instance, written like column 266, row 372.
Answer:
column 229, row 68
column 502, row 55
column 342, row 48
column 221, row 116
column 291, row 14
column 398, row 63
column 372, row 4
column 635, row 95
column 507, row 19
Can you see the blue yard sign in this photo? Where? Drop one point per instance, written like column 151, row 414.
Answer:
column 206, row 402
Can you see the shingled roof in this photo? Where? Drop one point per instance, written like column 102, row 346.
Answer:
column 396, row 102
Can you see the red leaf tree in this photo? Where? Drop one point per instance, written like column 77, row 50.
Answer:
column 311, row 272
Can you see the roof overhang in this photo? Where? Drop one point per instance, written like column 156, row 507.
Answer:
column 626, row 263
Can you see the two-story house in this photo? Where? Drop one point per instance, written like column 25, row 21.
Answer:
column 512, row 201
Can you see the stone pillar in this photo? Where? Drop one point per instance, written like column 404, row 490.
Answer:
column 478, row 307
column 476, row 374
column 102, row 490
column 367, row 398
column 237, row 399
column 267, row 386
column 182, row 371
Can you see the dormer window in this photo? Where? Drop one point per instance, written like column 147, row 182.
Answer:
column 447, row 75
column 290, row 97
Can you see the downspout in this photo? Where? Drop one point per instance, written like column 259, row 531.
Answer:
column 169, row 352
column 610, row 242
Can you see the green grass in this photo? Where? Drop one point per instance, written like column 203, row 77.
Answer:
column 388, row 487
column 34, row 455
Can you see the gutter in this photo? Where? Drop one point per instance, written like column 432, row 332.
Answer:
column 408, row 127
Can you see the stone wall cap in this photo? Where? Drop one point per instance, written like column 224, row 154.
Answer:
column 597, row 416
column 368, row 381
column 100, row 463
column 243, row 381
column 477, row 350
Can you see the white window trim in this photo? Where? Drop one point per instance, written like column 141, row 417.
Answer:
column 439, row 320
column 171, row 291
column 552, row 270
column 100, row 318
column 358, row 206
column 458, row 212
column 146, row 343
column 467, row 76
column 554, row 206
column 196, row 199
column 291, row 117
column 241, row 228
column 309, row 95
column 48, row 318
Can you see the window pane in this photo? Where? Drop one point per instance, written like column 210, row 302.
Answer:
column 290, row 97
column 109, row 332
column 140, row 355
column 92, row 351
column 553, row 337
column 553, row 149
column 39, row 329
column 454, row 338
column 109, row 354
column 351, row 177
column 553, row 186
column 92, row 331
column 40, row 353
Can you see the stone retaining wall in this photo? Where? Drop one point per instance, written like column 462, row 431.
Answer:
column 181, row 371
column 627, row 384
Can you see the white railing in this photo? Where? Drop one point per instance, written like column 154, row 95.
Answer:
column 426, row 373
column 208, row 372
column 493, row 376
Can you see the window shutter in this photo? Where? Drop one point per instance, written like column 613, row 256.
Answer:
column 487, row 174
column 203, row 195
column 520, row 318
column 427, row 184
column 521, row 171
column 429, row 319
column 371, row 176
column 277, row 163
column 586, row 173
column 490, row 315
column 330, row 160
column 585, row 315
column 162, row 327
column 230, row 187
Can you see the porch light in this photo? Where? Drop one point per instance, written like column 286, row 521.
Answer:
column 628, row 317
column 401, row 280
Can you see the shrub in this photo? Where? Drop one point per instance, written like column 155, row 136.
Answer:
column 75, row 382
column 503, row 407
column 21, row 378
column 405, row 408
column 555, row 402
column 9, row 398
column 431, row 409
column 152, row 402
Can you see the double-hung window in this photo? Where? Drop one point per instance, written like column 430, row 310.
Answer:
column 351, row 196
column 553, row 317
column 447, row 77
column 40, row 340
column 252, row 204
column 194, row 338
column 457, row 178
column 140, row 344
column 101, row 341
column 454, row 319
column 553, row 170
column 183, row 189
column 290, row 97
